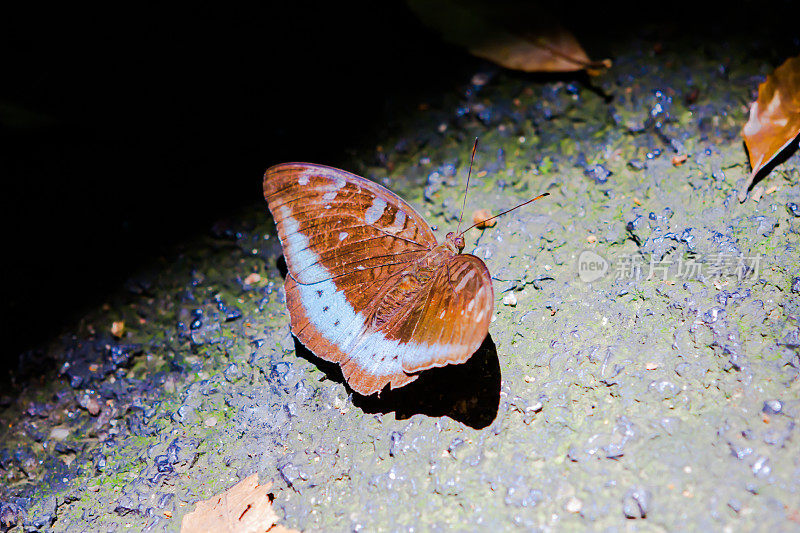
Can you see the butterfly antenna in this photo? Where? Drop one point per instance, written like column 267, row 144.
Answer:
column 466, row 190
column 504, row 212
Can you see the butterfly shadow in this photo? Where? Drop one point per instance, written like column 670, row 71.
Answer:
column 468, row 393
column 779, row 158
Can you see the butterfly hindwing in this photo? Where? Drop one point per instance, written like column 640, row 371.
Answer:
column 450, row 318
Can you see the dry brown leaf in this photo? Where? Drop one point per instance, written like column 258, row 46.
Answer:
column 514, row 34
column 243, row 508
column 118, row 328
column 774, row 121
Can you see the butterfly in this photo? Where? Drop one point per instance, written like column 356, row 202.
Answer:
column 368, row 286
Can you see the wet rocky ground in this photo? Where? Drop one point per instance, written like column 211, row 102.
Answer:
column 641, row 369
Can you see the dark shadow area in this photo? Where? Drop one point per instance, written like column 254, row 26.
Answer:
column 468, row 393
column 124, row 134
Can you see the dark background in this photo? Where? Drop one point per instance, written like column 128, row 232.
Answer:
column 124, row 131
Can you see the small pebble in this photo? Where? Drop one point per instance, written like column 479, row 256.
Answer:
column 598, row 173
column 772, row 407
column 210, row 422
column 573, row 505
column 253, row 278
column 59, row 434
column 480, row 79
column 636, row 502
column 636, row 164
column 735, row 504
column 510, row 299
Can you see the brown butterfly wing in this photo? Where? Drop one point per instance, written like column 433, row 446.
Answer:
column 448, row 321
column 443, row 322
column 344, row 239
column 347, row 220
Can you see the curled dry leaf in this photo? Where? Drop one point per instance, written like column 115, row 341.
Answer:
column 514, row 34
column 774, row 121
column 243, row 508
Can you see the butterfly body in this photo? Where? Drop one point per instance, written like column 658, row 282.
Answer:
column 368, row 285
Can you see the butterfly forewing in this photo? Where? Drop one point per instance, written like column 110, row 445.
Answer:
column 344, row 238
column 331, row 222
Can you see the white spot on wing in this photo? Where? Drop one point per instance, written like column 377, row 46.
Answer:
column 375, row 211
column 342, row 235
column 303, row 179
column 329, row 195
column 340, row 182
column 399, row 222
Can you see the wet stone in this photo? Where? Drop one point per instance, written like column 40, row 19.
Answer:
column 740, row 452
column 573, row 505
column 796, row 285
column 131, row 501
column 100, row 462
column 761, row 468
column 41, row 410
column 394, row 443
column 290, row 473
column 137, row 427
column 230, row 313
column 637, row 164
column 772, row 407
column 791, row 339
column 232, row 372
column 90, row 402
column 598, row 173
column 11, row 514
column 793, row 209
column 735, row 504
column 455, row 444
column 43, row 517
column 164, row 500
column 635, row 503
column 713, row 314
column 182, row 450
column 163, row 464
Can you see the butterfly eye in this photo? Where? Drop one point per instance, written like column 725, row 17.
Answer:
column 459, row 242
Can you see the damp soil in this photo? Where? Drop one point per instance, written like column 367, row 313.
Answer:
column 641, row 369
